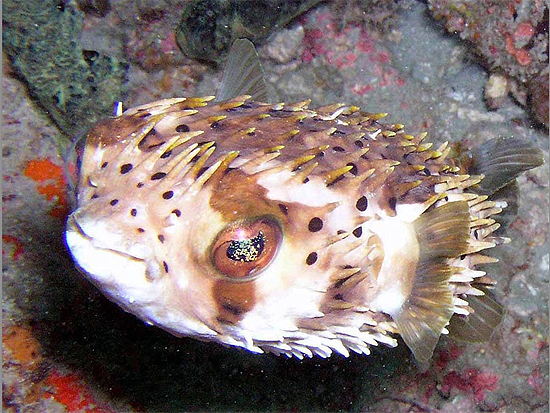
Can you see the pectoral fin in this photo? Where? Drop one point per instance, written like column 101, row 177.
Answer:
column 442, row 234
column 479, row 325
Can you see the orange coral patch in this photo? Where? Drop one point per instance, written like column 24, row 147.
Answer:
column 51, row 184
column 24, row 348
column 72, row 393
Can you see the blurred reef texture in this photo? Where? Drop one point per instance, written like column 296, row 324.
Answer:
column 511, row 37
column 76, row 87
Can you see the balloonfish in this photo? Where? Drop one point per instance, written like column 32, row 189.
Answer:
column 279, row 228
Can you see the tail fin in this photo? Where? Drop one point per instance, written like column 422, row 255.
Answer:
column 501, row 160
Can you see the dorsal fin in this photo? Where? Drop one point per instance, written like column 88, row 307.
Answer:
column 243, row 74
column 442, row 233
column 501, row 160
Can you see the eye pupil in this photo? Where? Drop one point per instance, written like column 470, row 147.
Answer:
column 246, row 250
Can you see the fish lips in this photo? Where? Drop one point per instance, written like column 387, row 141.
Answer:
column 104, row 260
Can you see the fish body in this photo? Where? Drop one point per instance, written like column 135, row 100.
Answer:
column 280, row 228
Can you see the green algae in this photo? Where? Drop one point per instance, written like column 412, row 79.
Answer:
column 75, row 87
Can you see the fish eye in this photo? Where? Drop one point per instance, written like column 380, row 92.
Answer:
column 245, row 248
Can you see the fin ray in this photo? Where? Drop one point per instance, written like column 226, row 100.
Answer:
column 243, row 74
column 442, row 233
column 480, row 324
column 501, row 160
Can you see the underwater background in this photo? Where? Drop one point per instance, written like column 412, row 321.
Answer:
column 462, row 72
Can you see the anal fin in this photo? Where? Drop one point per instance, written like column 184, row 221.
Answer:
column 442, row 234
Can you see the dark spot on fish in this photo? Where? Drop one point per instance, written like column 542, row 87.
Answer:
column 94, row 196
column 176, row 212
column 446, row 199
column 152, row 132
column 182, row 128
column 165, row 265
column 233, row 309
column 320, row 154
column 141, row 230
column 339, row 132
column 357, row 232
column 338, row 149
column 104, row 165
column 353, row 169
column 316, row 224
column 215, row 125
column 338, row 297
column 462, row 257
column 195, row 158
column 127, row 167
column 140, row 185
column 168, row 194
column 305, row 181
column 166, row 154
column 392, row 202
column 359, row 143
column 113, row 202
column 157, row 176
column 362, row 204
column 133, row 212
column 340, row 232
column 251, row 133
column 283, row 208
column 311, row 258
column 161, row 239
column 425, row 172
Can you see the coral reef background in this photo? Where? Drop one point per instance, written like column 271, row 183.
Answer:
column 447, row 67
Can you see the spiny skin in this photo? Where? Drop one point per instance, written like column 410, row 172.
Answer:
column 353, row 230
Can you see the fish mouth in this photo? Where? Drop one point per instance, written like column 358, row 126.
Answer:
column 76, row 230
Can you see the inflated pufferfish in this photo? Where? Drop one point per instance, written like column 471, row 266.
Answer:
column 279, row 228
